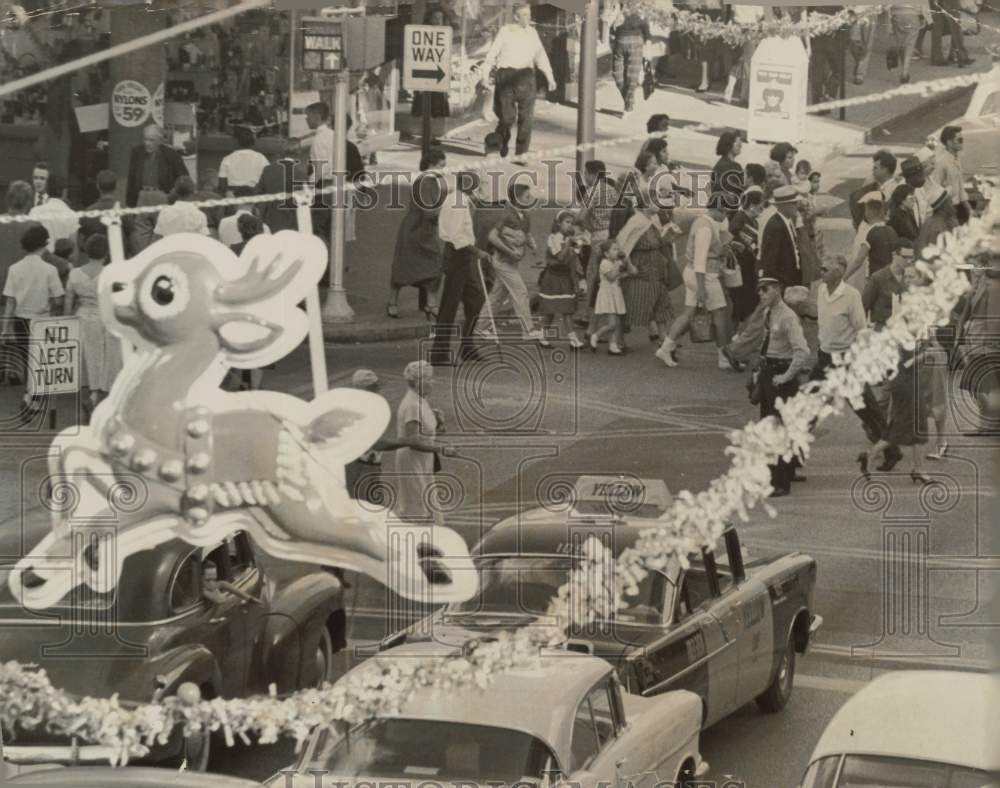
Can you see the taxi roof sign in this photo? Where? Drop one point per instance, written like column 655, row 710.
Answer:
column 621, row 496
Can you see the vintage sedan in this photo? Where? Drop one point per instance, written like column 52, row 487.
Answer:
column 108, row 777
column 913, row 728
column 566, row 719
column 225, row 619
column 725, row 628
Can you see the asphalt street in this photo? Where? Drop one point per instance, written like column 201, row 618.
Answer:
column 904, row 572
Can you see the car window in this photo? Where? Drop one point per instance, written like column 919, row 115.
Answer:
column 586, row 741
column 868, row 771
column 604, row 719
column 695, row 590
column 992, row 104
column 186, row 589
column 240, row 556
column 821, row 773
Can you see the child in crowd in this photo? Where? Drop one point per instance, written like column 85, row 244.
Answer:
column 803, row 169
column 513, row 236
column 610, row 298
column 559, row 280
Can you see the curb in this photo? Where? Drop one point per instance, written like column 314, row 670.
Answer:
column 370, row 330
column 862, row 657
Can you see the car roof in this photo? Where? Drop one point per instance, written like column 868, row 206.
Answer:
column 552, row 691
column 130, row 777
column 933, row 715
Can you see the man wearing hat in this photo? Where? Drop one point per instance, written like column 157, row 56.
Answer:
column 784, row 353
column 941, row 220
column 779, row 251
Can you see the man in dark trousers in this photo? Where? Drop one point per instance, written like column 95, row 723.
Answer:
column 515, row 54
column 779, row 259
column 779, row 251
column 153, row 166
column 285, row 175
column 462, row 283
column 784, row 353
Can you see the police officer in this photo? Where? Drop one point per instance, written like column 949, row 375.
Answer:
column 783, row 354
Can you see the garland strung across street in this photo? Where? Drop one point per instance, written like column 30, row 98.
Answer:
column 735, row 33
column 595, row 587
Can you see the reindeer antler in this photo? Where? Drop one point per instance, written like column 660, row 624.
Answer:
column 257, row 284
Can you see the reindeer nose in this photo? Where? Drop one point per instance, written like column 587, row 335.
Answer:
column 117, row 287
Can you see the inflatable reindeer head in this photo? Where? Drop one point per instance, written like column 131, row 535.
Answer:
column 191, row 291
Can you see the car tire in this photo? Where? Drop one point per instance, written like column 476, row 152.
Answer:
column 775, row 697
column 323, row 667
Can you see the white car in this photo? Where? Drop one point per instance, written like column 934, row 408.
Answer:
column 980, row 126
column 567, row 719
column 913, row 729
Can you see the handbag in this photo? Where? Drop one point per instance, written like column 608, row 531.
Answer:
column 648, row 80
column 732, row 276
column 701, row 326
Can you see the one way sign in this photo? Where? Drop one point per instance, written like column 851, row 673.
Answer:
column 427, row 58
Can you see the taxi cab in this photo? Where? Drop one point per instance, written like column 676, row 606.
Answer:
column 725, row 627
column 913, row 729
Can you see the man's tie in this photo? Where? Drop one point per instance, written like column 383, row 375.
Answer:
column 767, row 333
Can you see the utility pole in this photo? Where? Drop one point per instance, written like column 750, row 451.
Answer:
column 587, row 97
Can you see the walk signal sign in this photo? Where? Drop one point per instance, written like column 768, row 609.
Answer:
column 427, row 58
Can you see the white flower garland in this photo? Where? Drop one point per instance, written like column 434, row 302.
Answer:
column 597, row 586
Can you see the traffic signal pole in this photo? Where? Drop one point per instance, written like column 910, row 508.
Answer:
column 336, row 309
column 587, row 101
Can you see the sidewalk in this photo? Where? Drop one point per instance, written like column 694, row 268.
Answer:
column 837, row 149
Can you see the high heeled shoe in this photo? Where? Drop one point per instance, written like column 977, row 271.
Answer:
column 431, row 314
column 863, row 464
column 941, row 453
column 392, row 311
column 920, row 478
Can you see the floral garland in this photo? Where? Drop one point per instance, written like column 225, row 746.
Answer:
column 599, row 584
column 735, row 34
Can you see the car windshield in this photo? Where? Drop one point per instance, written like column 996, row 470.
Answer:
column 434, row 750
column 524, row 586
column 870, row 771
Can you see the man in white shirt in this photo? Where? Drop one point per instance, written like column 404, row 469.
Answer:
column 240, row 170
column 462, row 275
column 947, row 172
column 54, row 214
column 229, row 232
column 515, row 54
column 32, row 290
column 181, row 216
column 321, row 151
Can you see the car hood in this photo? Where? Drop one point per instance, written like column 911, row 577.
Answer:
column 307, row 780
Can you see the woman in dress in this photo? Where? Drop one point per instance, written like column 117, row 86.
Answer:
column 902, row 216
column 910, row 404
column 647, row 243
column 727, row 174
column 101, row 352
column 746, row 232
column 874, row 244
column 417, row 259
column 417, row 424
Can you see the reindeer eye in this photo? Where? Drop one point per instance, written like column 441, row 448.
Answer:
column 166, row 292
column 163, row 290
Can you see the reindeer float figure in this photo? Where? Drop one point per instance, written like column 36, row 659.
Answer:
column 170, row 455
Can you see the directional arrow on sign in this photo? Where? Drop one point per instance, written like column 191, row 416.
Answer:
column 437, row 74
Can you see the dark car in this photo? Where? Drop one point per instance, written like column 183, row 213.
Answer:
column 725, row 627
column 225, row 618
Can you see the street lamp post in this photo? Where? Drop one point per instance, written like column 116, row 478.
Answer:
column 587, row 103
column 336, row 309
